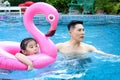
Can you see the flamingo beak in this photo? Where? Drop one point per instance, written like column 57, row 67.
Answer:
column 50, row 33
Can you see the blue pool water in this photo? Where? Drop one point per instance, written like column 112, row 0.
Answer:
column 101, row 31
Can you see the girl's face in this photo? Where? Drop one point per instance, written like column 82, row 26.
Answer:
column 31, row 48
column 77, row 33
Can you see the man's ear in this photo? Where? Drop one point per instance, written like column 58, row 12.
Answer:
column 70, row 31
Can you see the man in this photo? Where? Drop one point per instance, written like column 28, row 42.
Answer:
column 75, row 47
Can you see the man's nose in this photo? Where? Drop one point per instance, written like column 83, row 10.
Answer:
column 82, row 32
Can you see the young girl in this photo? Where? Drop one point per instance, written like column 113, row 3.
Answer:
column 28, row 46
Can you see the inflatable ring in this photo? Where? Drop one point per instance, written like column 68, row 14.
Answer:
column 48, row 51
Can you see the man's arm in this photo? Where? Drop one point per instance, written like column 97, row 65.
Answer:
column 93, row 49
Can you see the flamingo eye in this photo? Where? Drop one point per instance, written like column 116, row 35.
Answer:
column 51, row 17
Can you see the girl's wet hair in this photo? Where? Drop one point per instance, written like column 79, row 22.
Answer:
column 73, row 23
column 25, row 41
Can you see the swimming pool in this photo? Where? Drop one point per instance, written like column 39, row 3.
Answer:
column 102, row 31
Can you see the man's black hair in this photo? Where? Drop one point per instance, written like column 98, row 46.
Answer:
column 73, row 23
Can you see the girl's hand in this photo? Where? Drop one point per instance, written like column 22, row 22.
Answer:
column 30, row 67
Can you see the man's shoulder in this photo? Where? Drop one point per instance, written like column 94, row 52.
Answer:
column 61, row 44
column 86, row 45
column 89, row 47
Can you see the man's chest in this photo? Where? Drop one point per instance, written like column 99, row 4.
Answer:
column 77, row 50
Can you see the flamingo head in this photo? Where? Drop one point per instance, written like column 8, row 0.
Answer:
column 50, row 13
column 52, row 17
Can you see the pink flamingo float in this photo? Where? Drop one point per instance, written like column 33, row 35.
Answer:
column 48, row 51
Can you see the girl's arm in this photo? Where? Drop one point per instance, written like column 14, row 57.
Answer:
column 21, row 57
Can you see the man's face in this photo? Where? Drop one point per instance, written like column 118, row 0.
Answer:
column 77, row 33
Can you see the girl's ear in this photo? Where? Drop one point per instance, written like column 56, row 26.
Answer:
column 23, row 51
column 38, row 45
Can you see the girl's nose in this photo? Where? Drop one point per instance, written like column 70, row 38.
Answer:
column 35, row 48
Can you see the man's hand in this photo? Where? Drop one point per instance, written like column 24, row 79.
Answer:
column 118, row 56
